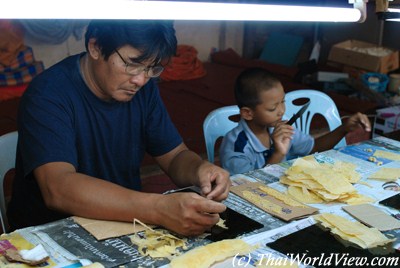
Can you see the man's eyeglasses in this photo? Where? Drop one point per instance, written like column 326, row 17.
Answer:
column 136, row 69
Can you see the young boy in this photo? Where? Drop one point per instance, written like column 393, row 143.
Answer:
column 262, row 137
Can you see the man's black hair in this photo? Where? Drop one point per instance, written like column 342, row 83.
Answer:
column 155, row 40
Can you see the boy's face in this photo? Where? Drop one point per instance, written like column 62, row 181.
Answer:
column 272, row 107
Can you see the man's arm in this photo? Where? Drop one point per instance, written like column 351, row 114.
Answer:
column 65, row 190
column 186, row 168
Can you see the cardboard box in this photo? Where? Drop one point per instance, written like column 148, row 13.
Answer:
column 365, row 56
column 387, row 120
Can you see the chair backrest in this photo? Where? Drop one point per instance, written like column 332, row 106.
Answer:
column 8, row 147
column 216, row 125
column 320, row 103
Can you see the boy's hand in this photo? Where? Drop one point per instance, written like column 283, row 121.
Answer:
column 282, row 135
column 358, row 120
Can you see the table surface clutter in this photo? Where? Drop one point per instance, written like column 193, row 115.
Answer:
column 330, row 209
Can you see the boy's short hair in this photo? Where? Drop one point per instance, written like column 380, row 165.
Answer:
column 250, row 83
column 155, row 40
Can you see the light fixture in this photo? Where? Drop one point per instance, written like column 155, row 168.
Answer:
column 385, row 13
column 175, row 10
column 391, row 14
column 361, row 5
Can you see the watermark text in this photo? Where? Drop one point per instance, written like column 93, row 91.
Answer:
column 330, row 259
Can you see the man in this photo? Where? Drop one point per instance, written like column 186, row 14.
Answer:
column 84, row 127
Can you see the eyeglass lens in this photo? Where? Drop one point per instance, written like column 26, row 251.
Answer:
column 139, row 68
column 150, row 71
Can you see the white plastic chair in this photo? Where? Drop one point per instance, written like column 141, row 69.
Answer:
column 216, row 125
column 321, row 104
column 8, row 148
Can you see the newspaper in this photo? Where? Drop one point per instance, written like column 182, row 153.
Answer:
column 68, row 243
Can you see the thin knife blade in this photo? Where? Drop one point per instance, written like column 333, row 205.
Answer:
column 298, row 114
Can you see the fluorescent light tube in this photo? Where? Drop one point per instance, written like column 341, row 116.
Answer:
column 167, row 10
column 392, row 14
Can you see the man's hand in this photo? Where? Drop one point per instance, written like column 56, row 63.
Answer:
column 188, row 213
column 213, row 181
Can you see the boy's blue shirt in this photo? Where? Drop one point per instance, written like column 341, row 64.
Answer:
column 241, row 151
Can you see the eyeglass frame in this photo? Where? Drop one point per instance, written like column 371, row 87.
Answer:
column 139, row 68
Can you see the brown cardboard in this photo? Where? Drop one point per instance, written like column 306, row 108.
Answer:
column 373, row 217
column 13, row 255
column 107, row 229
column 287, row 212
column 343, row 53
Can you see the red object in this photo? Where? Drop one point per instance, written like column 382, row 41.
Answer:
column 10, row 92
column 184, row 66
column 387, row 115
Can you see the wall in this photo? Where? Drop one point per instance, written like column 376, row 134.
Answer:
column 328, row 33
column 50, row 54
column 203, row 35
